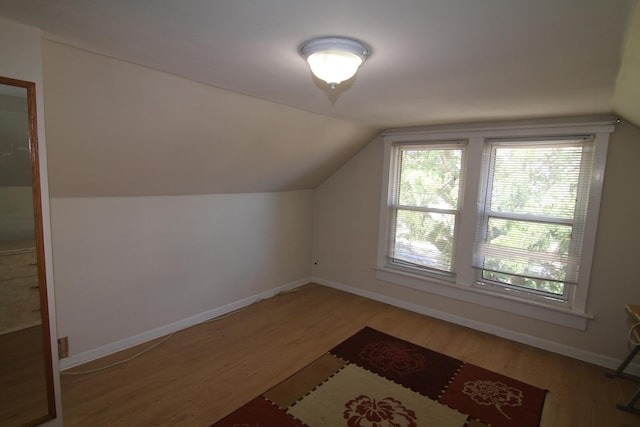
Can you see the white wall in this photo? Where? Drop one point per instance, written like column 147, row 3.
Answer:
column 346, row 216
column 133, row 266
column 21, row 53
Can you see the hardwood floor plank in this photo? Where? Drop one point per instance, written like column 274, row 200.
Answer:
column 202, row 373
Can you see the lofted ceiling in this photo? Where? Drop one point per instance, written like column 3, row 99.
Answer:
column 204, row 96
column 433, row 61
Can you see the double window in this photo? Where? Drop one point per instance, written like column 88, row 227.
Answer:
column 504, row 212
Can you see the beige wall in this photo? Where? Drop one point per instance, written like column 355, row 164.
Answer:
column 131, row 267
column 345, row 240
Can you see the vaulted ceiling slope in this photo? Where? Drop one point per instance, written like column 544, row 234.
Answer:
column 256, row 120
column 626, row 101
column 119, row 129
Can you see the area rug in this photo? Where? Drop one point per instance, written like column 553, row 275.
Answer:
column 376, row 380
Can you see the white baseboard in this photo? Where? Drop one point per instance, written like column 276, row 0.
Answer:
column 132, row 341
column 565, row 350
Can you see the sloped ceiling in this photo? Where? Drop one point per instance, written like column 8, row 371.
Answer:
column 256, row 120
column 626, row 101
column 119, row 129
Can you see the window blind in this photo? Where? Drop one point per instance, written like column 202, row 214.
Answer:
column 533, row 209
column 425, row 205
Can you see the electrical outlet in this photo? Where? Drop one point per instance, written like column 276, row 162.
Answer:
column 63, row 347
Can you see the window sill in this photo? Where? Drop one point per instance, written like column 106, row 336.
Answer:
column 508, row 303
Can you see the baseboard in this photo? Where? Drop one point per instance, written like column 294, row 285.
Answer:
column 132, row 341
column 565, row 350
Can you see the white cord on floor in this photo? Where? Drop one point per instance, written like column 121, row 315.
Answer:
column 135, row 356
column 121, row 361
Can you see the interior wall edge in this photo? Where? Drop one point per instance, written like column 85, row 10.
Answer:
column 552, row 346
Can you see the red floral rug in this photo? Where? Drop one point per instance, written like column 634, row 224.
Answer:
column 375, row 380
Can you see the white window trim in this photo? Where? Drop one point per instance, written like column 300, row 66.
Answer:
column 572, row 313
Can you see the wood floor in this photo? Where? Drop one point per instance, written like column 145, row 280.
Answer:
column 23, row 387
column 202, row 373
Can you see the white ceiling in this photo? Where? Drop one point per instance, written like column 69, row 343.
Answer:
column 433, row 61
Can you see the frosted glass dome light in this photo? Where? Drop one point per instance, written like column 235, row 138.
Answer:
column 334, row 59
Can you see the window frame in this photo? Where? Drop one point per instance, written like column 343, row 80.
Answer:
column 577, row 222
column 394, row 206
column 464, row 284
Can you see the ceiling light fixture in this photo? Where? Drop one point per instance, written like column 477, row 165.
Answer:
column 334, row 59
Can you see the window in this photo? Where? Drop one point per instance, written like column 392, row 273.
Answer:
column 425, row 205
column 533, row 209
column 502, row 216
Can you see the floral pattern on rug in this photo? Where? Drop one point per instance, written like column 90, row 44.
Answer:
column 493, row 393
column 356, row 397
column 494, row 398
column 390, row 356
column 364, row 411
column 417, row 368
